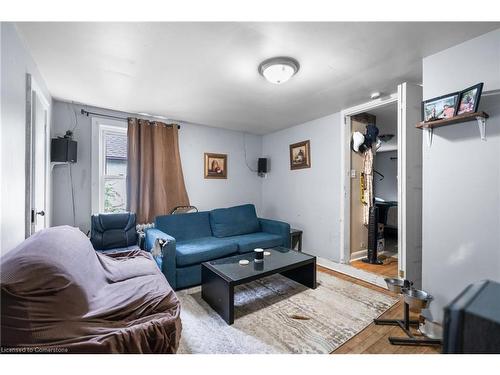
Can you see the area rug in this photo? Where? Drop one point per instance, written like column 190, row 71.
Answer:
column 278, row 315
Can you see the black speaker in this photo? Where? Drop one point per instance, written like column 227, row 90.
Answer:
column 372, row 237
column 63, row 150
column 262, row 165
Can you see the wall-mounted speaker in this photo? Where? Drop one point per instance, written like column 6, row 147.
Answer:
column 262, row 165
column 63, row 150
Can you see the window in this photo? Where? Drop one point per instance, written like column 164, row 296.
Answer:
column 115, row 171
column 109, row 165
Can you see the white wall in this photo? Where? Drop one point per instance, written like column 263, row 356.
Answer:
column 241, row 186
column 15, row 63
column 386, row 188
column 307, row 198
column 461, row 176
column 1, row 131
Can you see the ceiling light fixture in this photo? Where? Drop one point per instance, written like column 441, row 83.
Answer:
column 278, row 70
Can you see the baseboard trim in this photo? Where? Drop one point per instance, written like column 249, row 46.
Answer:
column 353, row 272
column 357, row 255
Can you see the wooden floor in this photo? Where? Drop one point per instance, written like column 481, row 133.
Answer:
column 388, row 269
column 374, row 339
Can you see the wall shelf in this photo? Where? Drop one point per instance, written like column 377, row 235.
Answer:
column 480, row 117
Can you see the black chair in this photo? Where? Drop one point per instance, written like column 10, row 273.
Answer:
column 114, row 232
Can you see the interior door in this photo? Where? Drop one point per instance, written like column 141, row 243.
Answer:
column 410, row 183
column 39, row 152
column 37, row 146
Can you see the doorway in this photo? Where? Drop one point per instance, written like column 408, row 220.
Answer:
column 409, row 185
column 385, row 194
column 37, row 158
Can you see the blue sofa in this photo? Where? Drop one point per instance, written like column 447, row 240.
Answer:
column 194, row 238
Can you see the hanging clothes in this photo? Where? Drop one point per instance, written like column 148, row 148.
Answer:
column 368, row 192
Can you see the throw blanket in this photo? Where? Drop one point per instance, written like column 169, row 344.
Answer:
column 60, row 295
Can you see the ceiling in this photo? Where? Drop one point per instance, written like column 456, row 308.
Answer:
column 207, row 72
column 387, row 123
column 386, row 118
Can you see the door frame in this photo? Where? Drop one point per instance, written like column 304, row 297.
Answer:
column 33, row 87
column 345, row 176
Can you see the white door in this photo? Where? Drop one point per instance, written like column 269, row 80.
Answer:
column 37, row 155
column 39, row 164
column 410, row 183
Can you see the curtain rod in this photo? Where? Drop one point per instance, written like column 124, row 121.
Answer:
column 87, row 113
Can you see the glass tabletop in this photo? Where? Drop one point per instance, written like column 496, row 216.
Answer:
column 278, row 258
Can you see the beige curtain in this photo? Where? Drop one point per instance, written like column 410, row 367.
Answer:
column 155, row 183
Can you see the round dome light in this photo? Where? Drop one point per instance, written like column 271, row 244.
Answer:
column 278, row 70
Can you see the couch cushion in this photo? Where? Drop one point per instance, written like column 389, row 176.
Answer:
column 185, row 226
column 248, row 242
column 234, row 221
column 203, row 249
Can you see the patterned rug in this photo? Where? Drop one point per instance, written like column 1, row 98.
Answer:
column 278, row 315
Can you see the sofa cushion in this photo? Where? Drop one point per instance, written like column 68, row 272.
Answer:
column 185, row 226
column 248, row 242
column 233, row 221
column 203, row 249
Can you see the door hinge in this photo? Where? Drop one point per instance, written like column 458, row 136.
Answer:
column 32, row 215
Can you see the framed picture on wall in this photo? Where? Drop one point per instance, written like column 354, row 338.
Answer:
column 300, row 155
column 215, row 165
column 469, row 99
column 440, row 108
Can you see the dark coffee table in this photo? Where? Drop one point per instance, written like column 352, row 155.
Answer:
column 219, row 277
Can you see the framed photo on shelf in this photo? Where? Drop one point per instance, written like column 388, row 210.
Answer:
column 215, row 165
column 300, row 155
column 439, row 108
column 468, row 100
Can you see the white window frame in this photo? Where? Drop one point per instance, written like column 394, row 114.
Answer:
column 99, row 127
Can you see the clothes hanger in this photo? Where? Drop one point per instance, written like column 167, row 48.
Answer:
column 380, row 174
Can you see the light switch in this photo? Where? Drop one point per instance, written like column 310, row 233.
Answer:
column 353, row 173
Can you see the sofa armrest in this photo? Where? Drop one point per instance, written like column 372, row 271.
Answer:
column 168, row 262
column 276, row 227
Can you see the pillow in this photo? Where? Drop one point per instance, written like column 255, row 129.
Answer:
column 233, row 221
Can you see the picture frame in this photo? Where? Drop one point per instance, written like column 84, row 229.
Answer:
column 300, row 155
column 215, row 165
column 442, row 107
column 468, row 100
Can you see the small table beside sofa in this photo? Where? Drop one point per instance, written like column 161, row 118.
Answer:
column 194, row 238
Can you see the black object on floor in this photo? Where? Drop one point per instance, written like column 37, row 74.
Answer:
column 372, row 237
